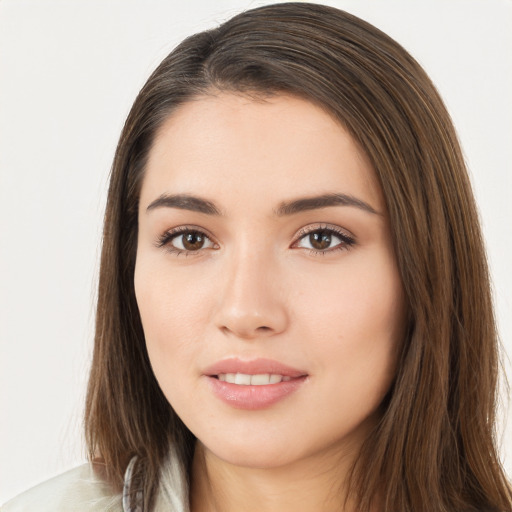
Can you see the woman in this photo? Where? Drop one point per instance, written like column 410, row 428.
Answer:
column 294, row 308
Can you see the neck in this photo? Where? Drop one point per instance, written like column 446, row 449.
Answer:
column 311, row 484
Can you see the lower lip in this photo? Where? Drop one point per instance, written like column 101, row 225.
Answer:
column 254, row 397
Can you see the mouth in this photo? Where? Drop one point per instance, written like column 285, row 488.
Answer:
column 262, row 371
column 260, row 379
column 255, row 384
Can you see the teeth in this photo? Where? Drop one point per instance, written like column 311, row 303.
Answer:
column 244, row 379
column 260, row 380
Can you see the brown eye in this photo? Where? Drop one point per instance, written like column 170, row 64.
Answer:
column 324, row 240
column 320, row 240
column 191, row 241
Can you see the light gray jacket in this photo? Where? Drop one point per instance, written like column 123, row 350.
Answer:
column 83, row 490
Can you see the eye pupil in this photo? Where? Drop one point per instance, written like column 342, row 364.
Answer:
column 193, row 241
column 320, row 240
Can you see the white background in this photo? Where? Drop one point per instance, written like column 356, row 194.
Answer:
column 69, row 71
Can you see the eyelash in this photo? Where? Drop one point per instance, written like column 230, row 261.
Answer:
column 347, row 241
column 164, row 240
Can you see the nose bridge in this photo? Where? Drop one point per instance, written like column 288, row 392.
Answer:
column 251, row 303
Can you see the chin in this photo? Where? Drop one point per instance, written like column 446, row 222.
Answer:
column 256, row 454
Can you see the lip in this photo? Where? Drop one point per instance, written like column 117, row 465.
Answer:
column 253, row 367
column 252, row 397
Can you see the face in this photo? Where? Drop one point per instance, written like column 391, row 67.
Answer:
column 266, row 279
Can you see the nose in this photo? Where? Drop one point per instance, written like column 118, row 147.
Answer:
column 251, row 303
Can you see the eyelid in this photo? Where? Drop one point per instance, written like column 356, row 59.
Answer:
column 348, row 240
column 163, row 240
column 346, row 236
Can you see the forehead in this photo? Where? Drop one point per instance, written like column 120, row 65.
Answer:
column 277, row 147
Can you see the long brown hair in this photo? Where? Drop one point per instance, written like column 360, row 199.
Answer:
column 434, row 447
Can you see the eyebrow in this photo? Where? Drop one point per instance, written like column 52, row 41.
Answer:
column 323, row 201
column 184, row 202
column 198, row 204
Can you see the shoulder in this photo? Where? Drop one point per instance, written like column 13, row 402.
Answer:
column 80, row 490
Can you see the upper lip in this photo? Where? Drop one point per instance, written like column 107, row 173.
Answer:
column 253, row 367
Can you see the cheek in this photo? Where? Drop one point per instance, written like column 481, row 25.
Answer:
column 165, row 309
column 355, row 320
column 364, row 296
column 168, row 301
column 173, row 315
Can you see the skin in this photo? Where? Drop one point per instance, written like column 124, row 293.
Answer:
column 256, row 289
